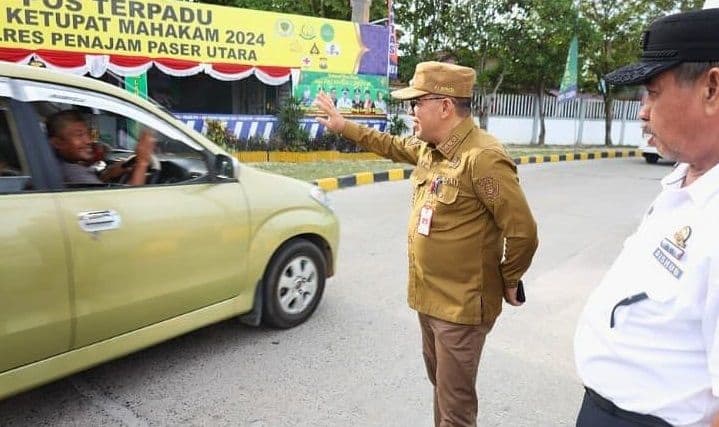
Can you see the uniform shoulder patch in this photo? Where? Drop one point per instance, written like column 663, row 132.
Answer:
column 489, row 187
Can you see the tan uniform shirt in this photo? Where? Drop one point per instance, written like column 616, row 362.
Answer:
column 456, row 272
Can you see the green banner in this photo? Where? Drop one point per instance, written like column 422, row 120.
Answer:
column 137, row 85
column 568, row 87
column 354, row 94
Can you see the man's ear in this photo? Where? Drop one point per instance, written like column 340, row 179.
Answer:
column 447, row 106
column 55, row 142
column 711, row 91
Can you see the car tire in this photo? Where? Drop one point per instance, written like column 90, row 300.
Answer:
column 651, row 158
column 293, row 284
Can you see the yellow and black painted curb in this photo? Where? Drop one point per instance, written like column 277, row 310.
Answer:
column 362, row 178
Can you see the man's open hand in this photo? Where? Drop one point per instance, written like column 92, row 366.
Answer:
column 145, row 146
column 334, row 121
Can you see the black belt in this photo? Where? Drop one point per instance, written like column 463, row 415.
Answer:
column 634, row 417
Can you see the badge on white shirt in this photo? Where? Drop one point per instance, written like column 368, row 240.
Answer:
column 425, row 220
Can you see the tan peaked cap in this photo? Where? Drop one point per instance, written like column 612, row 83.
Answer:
column 439, row 78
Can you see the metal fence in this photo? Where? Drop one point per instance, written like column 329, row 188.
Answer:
column 511, row 105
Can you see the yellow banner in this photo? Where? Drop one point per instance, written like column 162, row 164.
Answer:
column 181, row 30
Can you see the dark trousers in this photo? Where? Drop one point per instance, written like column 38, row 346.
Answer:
column 451, row 355
column 599, row 412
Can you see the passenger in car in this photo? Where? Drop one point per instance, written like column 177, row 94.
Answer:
column 69, row 134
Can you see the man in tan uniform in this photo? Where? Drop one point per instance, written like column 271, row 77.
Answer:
column 471, row 233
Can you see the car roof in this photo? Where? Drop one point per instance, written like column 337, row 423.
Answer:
column 26, row 72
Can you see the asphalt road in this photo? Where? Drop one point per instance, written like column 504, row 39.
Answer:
column 357, row 362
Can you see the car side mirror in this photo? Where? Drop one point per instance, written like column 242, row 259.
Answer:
column 226, row 167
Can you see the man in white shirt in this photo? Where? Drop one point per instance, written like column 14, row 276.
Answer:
column 647, row 343
column 344, row 104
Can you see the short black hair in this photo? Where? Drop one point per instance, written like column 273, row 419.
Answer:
column 57, row 121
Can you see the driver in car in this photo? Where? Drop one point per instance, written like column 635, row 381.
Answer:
column 69, row 134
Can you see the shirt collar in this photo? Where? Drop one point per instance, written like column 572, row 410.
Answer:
column 700, row 190
column 449, row 145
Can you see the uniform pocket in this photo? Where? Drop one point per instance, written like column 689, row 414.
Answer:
column 447, row 194
column 418, row 177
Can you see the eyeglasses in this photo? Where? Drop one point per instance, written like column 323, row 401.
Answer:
column 414, row 103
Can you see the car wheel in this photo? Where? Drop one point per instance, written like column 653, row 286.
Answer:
column 651, row 158
column 293, row 284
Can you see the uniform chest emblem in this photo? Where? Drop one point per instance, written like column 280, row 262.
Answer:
column 682, row 235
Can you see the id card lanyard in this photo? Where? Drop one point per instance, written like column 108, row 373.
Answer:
column 425, row 214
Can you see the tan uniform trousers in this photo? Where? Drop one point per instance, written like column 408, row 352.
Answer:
column 451, row 354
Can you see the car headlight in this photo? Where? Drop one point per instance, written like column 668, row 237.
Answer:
column 320, row 196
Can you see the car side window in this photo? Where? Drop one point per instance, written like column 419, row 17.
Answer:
column 115, row 126
column 13, row 177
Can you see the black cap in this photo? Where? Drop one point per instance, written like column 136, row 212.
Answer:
column 682, row 37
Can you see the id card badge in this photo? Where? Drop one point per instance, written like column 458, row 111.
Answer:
column 425, row 220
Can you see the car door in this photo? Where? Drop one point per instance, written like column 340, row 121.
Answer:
column 140, row 255
column 35, row 305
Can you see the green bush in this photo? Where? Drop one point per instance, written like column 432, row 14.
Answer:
column 221, row 136
column 290, row 136
column 254, row 143
column 329, row 141
column 396, row 125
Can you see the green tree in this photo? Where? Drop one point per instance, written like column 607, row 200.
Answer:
column 290, row 135
column 615, row 28
column 540, row 38
column 471, row 32
column 486, row 26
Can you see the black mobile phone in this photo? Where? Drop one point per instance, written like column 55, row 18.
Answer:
column 520, row 292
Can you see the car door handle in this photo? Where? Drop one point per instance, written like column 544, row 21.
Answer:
column 94, row 221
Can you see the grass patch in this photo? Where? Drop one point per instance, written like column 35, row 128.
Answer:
column 310, row 171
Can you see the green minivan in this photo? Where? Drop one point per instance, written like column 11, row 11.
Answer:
column 93, row 272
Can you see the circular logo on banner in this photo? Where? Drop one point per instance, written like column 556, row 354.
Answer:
column 327, row 33
column 284, row 27
column 307, row 32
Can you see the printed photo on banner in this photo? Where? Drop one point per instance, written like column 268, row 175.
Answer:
column 353, row 94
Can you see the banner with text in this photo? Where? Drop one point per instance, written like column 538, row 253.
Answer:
column 357, row 95
column 568, row 86
column 189, row 31
column 392, row 43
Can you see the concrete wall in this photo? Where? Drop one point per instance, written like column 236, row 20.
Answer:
column 559, row 131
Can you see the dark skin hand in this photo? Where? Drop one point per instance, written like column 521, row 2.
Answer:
column 143, row 152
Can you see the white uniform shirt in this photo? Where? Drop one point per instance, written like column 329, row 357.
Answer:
column 662, row 355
